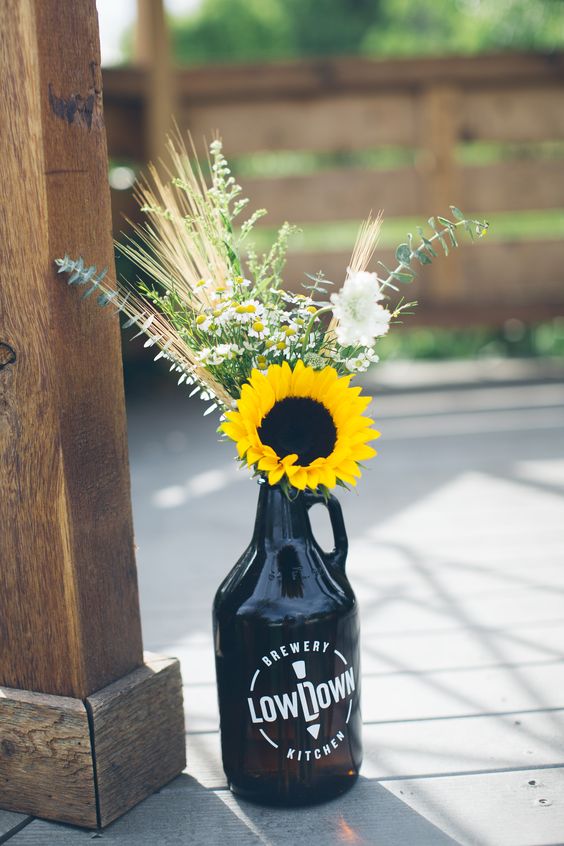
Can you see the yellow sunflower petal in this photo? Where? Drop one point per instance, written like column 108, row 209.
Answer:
column 362, row 452
column 288, row 460
column 275, row 475
column 313, row 478
column 327, row 477
column 253, row 455
column 298, row 477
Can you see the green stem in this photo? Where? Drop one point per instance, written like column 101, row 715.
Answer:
column 309, row 326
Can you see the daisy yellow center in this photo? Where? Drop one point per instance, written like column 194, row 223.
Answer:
column 301, row 426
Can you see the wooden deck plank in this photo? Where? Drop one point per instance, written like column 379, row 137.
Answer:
column 10, row 822
column 494, row 809
column 498, row 809
column 412, row 653
column 429, row 748
column 184, row 813
column 427, row 695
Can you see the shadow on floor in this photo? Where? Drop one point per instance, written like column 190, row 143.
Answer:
column 186, row 813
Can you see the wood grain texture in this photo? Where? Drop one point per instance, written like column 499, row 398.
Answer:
column 69, row 615
column 46, row 764
column 138, row 729
column 88, row 762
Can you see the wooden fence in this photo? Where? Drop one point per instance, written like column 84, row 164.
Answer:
column 430, row 107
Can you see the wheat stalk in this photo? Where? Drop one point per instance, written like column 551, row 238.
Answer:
column 366, row 242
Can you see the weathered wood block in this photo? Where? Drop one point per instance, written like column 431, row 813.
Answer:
column 88, row 761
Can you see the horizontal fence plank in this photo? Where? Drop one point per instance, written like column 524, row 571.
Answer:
column 516, row 185
column 307, row 78
column 346, row 194
column 521, row 114
column 349, row 194
column 322, row 123
column 514, row 273
column 510, row 274
column 354, row 103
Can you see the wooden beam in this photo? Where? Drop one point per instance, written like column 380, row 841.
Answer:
column 68, row 588
column 438, row 132
column 87, row 762
column 152, row 52
column 69, row 608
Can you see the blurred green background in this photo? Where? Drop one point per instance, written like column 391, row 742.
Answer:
column 265, row 30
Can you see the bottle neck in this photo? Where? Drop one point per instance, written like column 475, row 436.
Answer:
column 279, row 519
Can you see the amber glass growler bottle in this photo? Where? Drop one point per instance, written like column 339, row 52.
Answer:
column 287, row 659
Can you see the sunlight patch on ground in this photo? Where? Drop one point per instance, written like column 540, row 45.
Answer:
column 203, row 484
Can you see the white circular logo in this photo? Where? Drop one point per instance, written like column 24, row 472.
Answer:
column 307, row 699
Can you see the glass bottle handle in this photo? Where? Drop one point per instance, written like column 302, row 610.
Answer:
column 338, row 556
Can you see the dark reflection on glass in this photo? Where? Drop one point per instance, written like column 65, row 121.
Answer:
column 290, row 572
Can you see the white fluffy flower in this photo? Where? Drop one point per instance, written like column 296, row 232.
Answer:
column 361, row 318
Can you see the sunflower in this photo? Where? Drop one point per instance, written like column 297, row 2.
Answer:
column 303, row 426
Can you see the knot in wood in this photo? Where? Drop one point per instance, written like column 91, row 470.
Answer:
column 7, row 355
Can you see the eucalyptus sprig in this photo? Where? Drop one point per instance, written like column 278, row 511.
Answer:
column 425, row 251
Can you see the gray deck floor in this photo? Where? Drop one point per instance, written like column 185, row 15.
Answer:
column 457, row 554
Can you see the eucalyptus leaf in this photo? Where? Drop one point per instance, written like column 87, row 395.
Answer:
column 90, row 291
column 423, row 257
column 403, row 254
column 403, row 277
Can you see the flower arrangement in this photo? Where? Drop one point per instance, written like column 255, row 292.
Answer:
column 275, row 363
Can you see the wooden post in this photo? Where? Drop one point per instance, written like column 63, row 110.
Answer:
column 439, row 135
column 152, row 52
column 69, row 608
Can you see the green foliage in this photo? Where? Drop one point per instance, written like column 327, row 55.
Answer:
column 259, row 30
column 425, row 252
column 79, row 274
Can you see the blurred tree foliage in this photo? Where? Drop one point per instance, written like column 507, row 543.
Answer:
column 262, row 30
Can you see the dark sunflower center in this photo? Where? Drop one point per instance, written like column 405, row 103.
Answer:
column 299, row 425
